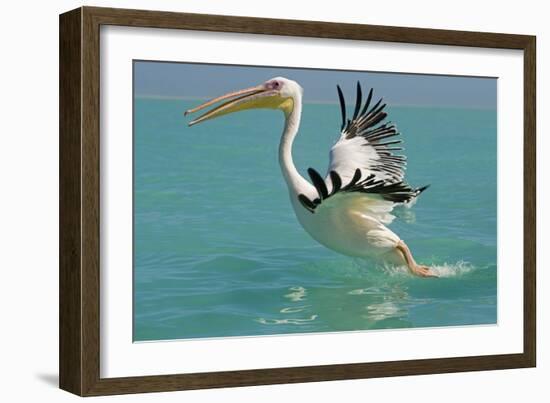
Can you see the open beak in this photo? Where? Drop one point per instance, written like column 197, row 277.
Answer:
column 249, row 98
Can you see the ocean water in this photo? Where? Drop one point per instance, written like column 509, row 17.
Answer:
column 218, row 251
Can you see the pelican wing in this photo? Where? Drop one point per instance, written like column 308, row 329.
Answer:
column 362, row 160
column 367, row 143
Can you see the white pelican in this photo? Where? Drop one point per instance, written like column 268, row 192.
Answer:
column 348, row 210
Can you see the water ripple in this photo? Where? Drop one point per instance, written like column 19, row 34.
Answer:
column 294, row 309
column 297, row 294
column 294, row 321
column 385, row 310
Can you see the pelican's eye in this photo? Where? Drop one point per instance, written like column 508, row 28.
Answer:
column 275, row 85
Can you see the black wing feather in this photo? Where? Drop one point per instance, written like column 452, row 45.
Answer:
column 367, row 104
column 308, row 204
column 319, row 183
column 336, row 181
column 398, row 192
column 342, row 106
column 358, row 101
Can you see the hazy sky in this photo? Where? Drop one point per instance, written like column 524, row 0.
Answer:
column 187, row 80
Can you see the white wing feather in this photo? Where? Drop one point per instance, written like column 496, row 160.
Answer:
column 366, row 144
column 363, row 169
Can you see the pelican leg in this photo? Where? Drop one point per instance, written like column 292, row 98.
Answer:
column 415, row 268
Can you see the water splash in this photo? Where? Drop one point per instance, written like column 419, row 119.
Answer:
column 457, row 269
column 444, row 270
column 405, row 213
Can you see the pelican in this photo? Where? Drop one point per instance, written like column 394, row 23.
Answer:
column 348, row 211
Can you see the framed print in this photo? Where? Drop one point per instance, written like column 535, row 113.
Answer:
column 249, row 201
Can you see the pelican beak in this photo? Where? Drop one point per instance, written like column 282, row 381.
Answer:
column 248, row 98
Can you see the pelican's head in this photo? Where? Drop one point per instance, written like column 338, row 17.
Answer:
column 277, row 93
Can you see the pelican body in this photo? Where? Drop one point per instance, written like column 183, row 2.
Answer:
column 349, row 209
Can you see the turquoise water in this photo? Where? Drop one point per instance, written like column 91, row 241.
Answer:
column 219, row 252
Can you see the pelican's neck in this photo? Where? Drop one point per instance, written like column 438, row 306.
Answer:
column 293, row 179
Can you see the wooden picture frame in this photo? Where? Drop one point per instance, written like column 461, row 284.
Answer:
column 79, row 278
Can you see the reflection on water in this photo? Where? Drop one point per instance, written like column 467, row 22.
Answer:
column 384, row 310
column 290, row 321
column 377, row 304
column 384, row 303
column 294, row 309
column 297, row 294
